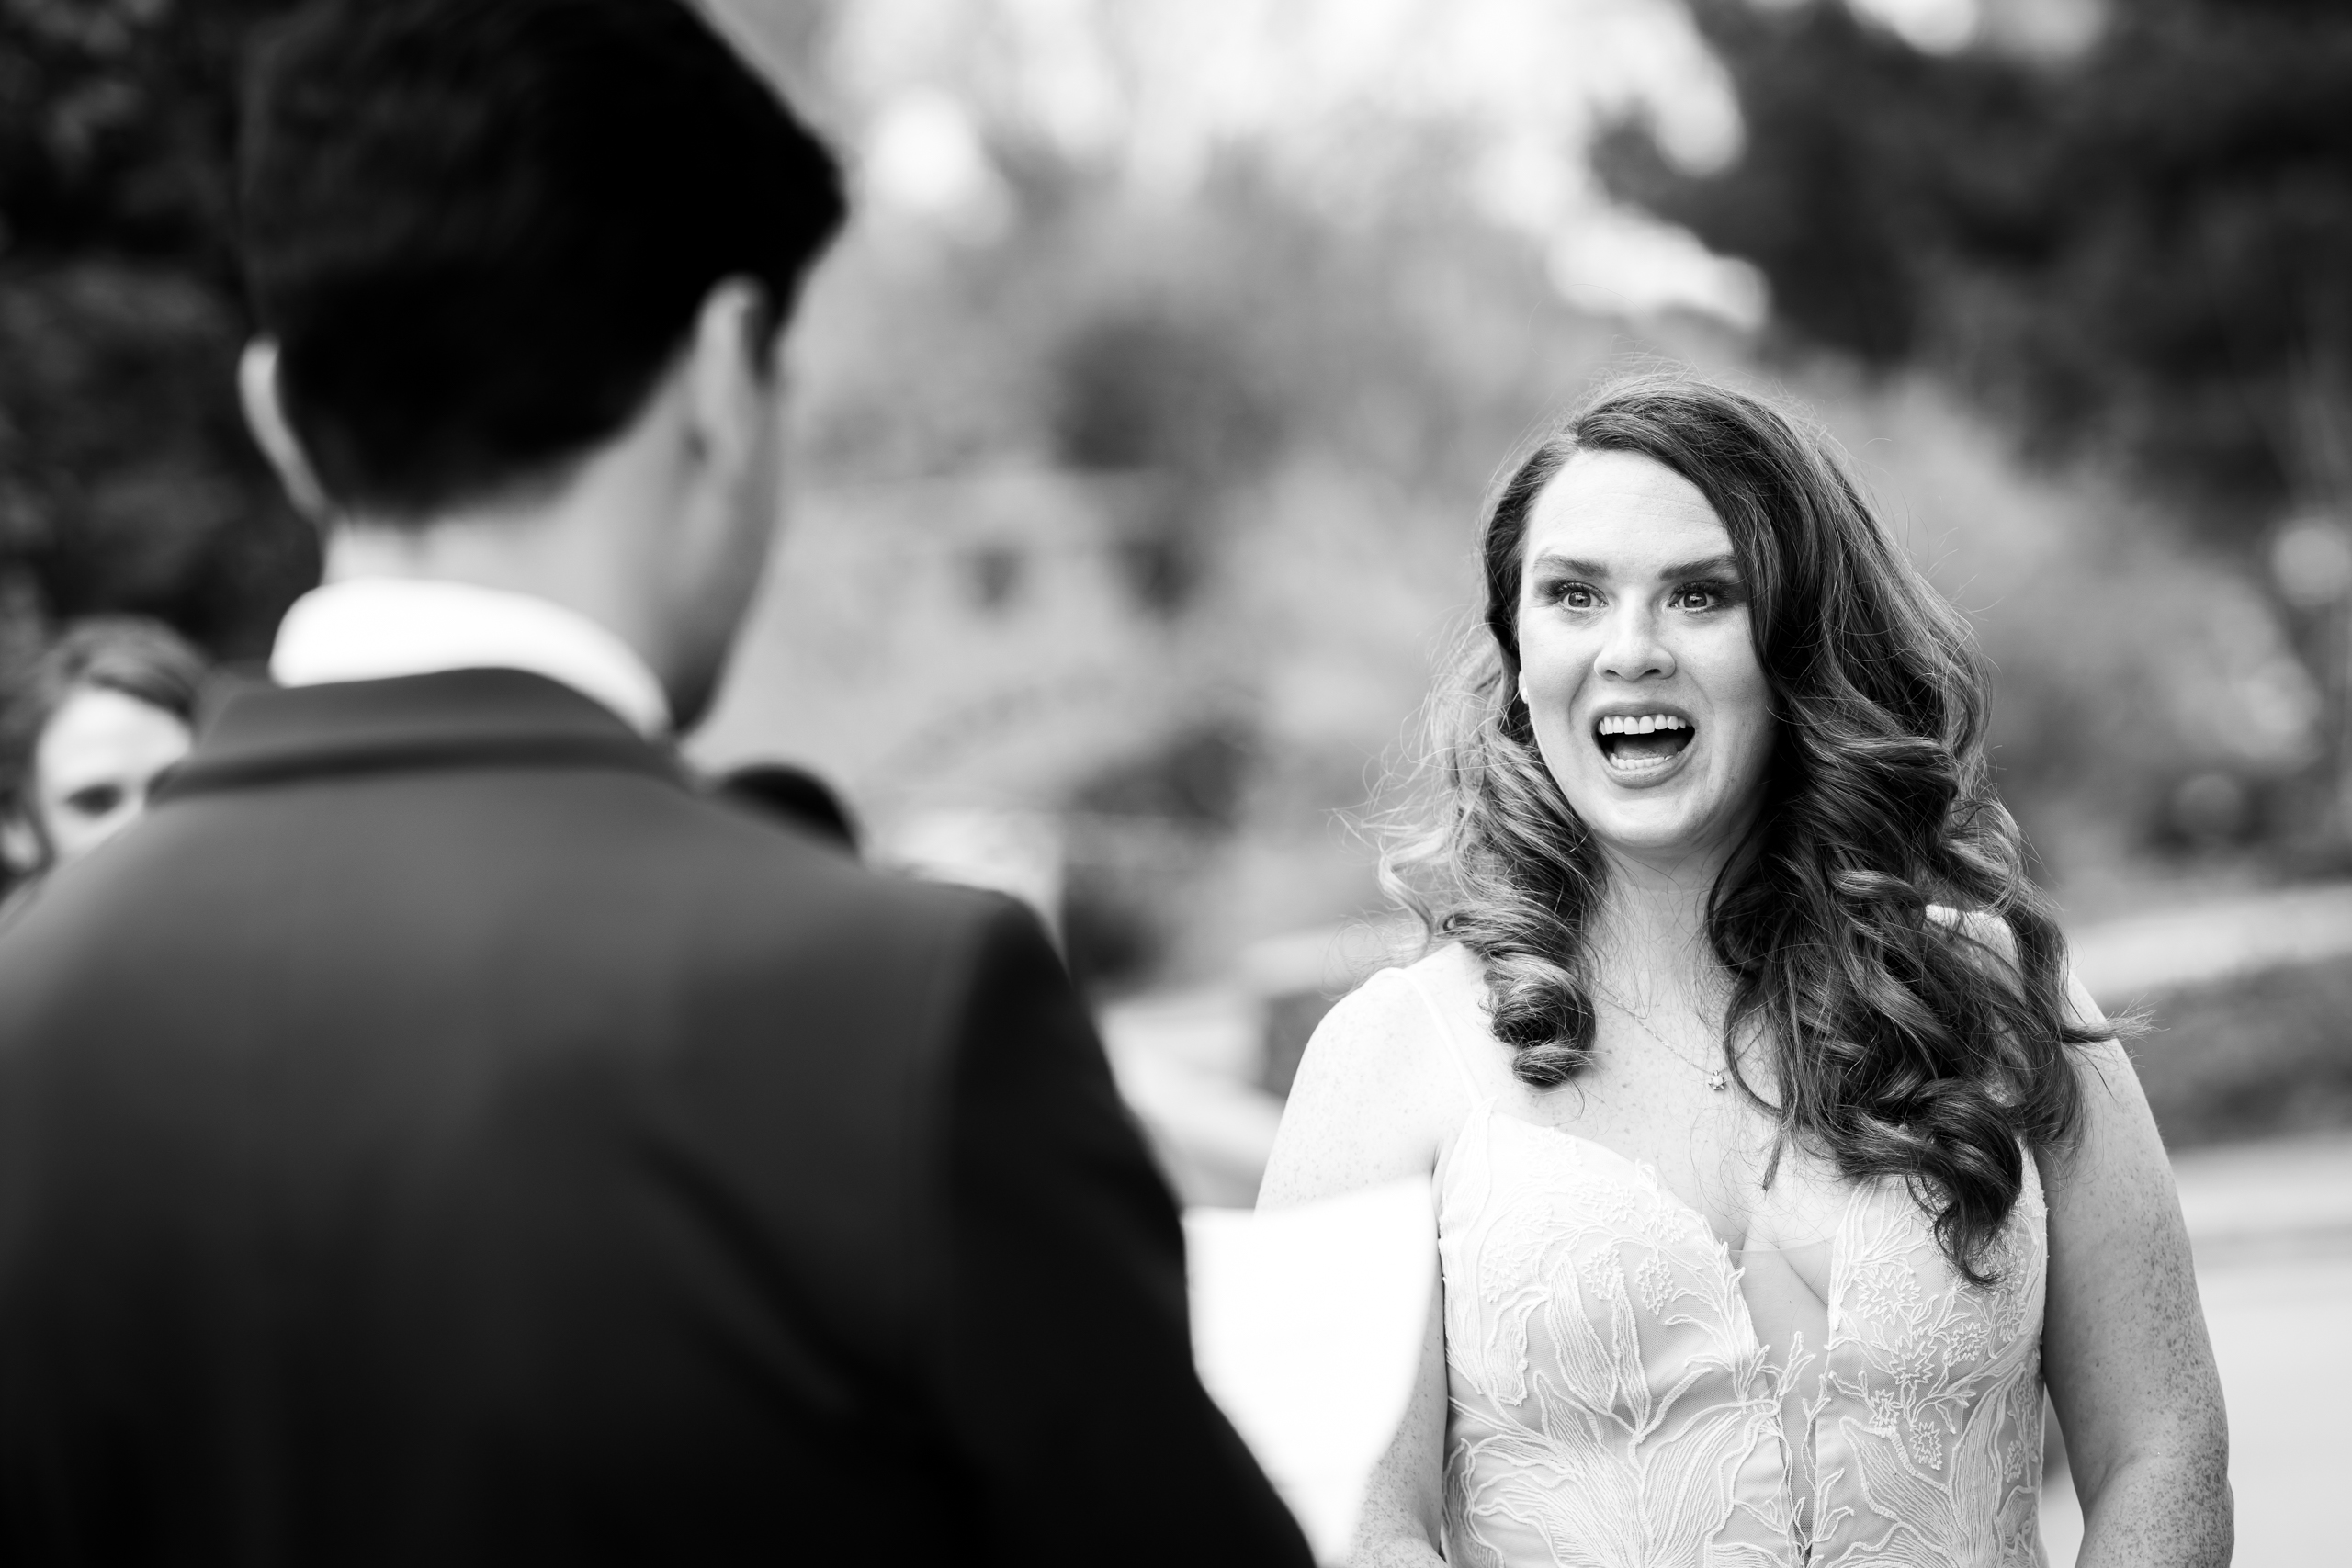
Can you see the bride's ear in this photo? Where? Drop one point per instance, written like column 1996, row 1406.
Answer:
column 266, row 417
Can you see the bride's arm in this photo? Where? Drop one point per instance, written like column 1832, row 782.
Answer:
column 1404, row 1507
column 1366, row 1108
column 2124, row 1345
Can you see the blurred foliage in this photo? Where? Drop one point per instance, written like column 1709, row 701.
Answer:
column 1269, row 396
column 127, row 481
column 2263, row 1055
column 1154, row 392
column 1276, row 423
column 1111, row 939
column 1196, row 778
column 1306, row 398
column 2143, row 251
column 2127, row 664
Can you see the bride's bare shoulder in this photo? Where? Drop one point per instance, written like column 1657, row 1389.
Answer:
column 1399, row 1009
column 1375, row 1092
column 1394, row 1036
column 1453, row 970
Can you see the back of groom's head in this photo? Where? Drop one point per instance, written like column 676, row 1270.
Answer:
column 478, row 230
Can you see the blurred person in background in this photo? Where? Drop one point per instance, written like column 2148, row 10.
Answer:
column 448, row 1134
column 1778, row 1156
column 792, row 796
column 104, row 711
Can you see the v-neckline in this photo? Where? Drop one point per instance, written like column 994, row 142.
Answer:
column 1799, row 1479
column 1487, row 1108
column 1484, row 1101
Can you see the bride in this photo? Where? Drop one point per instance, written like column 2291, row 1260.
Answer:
column 1777, row 1161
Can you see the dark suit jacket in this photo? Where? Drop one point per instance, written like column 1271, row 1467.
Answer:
column 438, row 1136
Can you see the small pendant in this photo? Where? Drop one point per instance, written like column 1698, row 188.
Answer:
column 1719, row 1079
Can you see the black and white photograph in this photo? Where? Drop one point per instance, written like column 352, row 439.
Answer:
column 1241, row 783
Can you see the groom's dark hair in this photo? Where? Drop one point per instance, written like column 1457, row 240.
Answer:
column 478, row 230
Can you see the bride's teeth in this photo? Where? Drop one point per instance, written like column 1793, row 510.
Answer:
column 1641, row 724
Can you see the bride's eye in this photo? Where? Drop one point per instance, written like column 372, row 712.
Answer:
column 1571, row 595
column 1700, row 596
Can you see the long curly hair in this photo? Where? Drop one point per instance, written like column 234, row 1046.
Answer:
column 1884, row 942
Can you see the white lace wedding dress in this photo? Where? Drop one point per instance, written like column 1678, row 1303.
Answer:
column 1611, row 1403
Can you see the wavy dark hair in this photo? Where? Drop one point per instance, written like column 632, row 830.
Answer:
column 1883, row 942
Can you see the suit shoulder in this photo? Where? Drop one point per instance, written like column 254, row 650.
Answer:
column 775, row 856
column 785, row 889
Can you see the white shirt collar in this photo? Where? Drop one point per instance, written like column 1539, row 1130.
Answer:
column 373, row 628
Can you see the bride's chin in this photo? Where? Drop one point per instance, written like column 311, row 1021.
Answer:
column 1652, row 835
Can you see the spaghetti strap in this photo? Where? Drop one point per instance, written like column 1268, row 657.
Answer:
column 1445, row 1031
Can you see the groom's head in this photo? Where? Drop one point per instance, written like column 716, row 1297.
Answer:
column 511, row 257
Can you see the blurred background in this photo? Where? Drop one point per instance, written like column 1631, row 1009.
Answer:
column 1145, row 410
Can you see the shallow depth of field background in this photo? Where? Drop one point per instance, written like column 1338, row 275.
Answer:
column 1144, row 411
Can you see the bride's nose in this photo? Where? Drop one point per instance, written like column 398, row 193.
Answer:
column 1632, row 649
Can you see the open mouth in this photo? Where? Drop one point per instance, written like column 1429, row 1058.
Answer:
column 1641, row 743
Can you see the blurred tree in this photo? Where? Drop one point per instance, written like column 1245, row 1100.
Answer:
column 2144, row 250
column 126, row 479
column 1151, row 393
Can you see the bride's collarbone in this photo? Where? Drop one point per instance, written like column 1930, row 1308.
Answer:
column 1712, row 1149
column 1713, row 1152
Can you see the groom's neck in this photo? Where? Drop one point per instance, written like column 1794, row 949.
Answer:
column 587, row 540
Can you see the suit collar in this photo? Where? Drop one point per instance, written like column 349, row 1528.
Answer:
column 255, row 733
column 374, row 628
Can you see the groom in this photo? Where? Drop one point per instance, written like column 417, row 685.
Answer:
column 439, row 1135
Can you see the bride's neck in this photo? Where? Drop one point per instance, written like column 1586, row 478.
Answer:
column 1650, row 930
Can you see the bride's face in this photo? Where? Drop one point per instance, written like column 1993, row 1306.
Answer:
column 1635, row 660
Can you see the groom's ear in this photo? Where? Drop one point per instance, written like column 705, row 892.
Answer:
column 730, row 369
column 266, row 417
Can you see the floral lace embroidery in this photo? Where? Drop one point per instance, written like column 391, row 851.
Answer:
column 1612, row 1405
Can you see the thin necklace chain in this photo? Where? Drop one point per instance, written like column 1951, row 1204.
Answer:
column 1718, row 1078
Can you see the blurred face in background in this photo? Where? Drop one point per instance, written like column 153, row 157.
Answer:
column 91, row 769
column 1636, row 663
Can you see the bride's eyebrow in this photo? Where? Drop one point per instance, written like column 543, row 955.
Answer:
column 1552, row 563
column 1714, row 566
